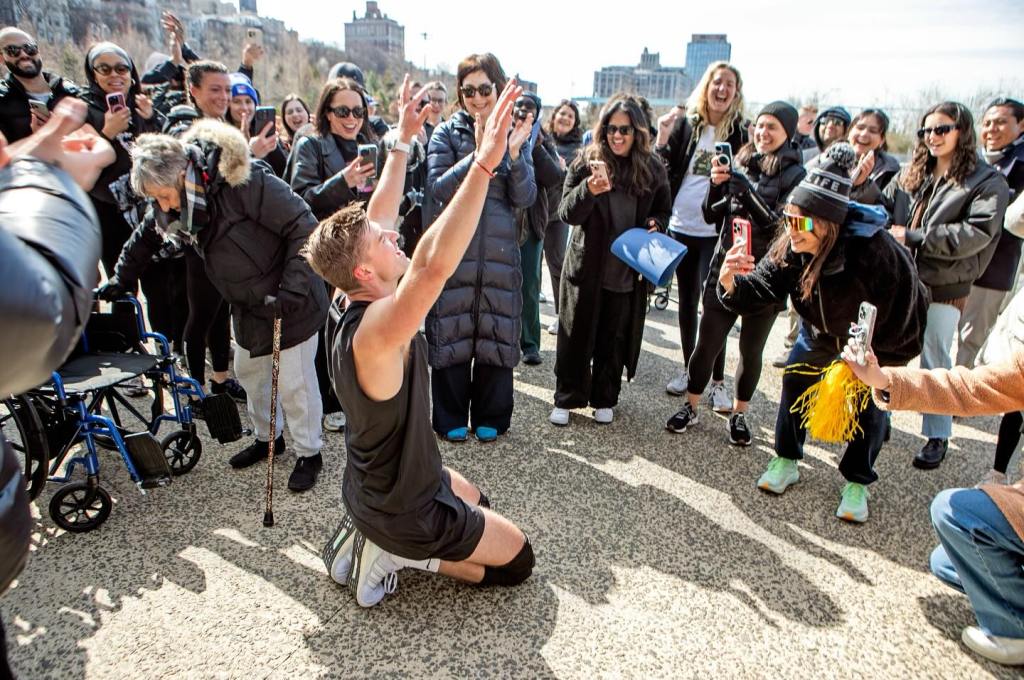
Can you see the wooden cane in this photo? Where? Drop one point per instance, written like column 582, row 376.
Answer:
column 275, row 371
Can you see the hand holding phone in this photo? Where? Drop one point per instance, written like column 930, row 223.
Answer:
column 115, row 102
column 39, row 110
column 723, row 154
column 599, row 182
column 862, row 333
column 741, row 234
column 368, row 156
column 260, row 119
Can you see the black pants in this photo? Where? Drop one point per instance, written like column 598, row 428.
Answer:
column 715, row 325
column 472, row 394
column 690, row 275
column 556, row 240
column 594, row 376
column 1009, row 438
column 209, row 321
column 858, row 463
column 328, row 397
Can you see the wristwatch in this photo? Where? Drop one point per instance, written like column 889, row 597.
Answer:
column 401, row 146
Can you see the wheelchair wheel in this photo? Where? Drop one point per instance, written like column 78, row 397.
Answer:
column 182, row 450
column 23, row 430
column 661, row 301
column 80, row 506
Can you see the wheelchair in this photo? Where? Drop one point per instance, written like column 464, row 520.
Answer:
column 62, row 425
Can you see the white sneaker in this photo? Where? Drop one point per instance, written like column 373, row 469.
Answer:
column 719, row 399
column 373, row 574
column 678, row 384
column 337, row 554
column 335, row 422
column 542, row 298
column 1007, row 651
column 603, row 415
column 553, row 328
column 992, row 477
column 559, row 416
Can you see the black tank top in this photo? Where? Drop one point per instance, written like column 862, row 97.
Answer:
column 393, row 463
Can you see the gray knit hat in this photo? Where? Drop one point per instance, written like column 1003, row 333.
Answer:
column 825, row 191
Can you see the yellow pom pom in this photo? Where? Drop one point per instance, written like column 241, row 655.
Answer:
column 829, row 409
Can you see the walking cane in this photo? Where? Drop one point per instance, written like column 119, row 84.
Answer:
column 275, row 370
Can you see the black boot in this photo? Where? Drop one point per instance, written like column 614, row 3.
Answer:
column 930, row 456
column 255, row 452
column 303, row 477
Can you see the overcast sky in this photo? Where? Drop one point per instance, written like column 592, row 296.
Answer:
column 857, row 53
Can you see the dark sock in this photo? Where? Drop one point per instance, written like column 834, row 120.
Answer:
column 484, row 502
column 513, row 573
column 1007, row 441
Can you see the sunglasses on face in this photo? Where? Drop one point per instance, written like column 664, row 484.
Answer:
column 29, row 49
column 624, row 130
column 485, row 90
column 107, row 69
column 345, row 112
column 799, row 222
column 438, row 100
column 938, row 130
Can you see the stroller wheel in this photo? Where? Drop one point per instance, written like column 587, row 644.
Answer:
column 79, row 506
column 661, row 302
column 182, row 450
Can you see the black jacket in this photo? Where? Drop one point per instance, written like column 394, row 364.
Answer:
column 682, row 141
column 257, row 226
column 549, row 175
column 15, row 116
column 958, row 229
column 1001, row 272
column 316, row 175
column 870, row 192
column 589, row 249
column 865, row 264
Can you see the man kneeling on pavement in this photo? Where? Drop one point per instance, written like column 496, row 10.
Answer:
column 249, row 227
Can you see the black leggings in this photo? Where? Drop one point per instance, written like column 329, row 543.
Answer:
column 209, row 321
column 715, row 325
column 690, row 275
column 1009, row 438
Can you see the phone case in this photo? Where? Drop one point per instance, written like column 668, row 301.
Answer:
column 741, row 233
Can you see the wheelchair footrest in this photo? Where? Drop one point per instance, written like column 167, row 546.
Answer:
column 221, row 415
column 148, row 458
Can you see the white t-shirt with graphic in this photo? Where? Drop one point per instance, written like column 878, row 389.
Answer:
column 687, row 217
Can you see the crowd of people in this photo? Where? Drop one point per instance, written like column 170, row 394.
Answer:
column 405, row 262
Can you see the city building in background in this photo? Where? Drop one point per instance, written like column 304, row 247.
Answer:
column 703, row 49
column 375, row 31
column 649, row 78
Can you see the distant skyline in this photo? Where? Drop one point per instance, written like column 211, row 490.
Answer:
column 858, row 54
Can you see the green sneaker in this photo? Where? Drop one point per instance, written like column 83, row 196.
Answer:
column 781, row 473
column 854, row 506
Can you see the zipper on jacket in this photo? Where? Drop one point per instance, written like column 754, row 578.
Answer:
column 478, row 287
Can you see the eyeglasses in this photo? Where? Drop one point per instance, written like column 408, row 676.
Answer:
column 29, row 49
column 345, row 112
column 830, row 120
column 799, row 222
column 624, row 130
column 438, row 100
column 485, row 90
column 938, row 130
column 107, row 69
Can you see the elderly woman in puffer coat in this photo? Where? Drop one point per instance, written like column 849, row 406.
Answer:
column 474, row 328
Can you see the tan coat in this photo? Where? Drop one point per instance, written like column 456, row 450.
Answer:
column 982, row 391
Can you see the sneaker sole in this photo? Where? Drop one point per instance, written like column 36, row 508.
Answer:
column 683, row 429
column 921, row 465
column 850, row 517
column 356, row 574
column 777, row 492
column 337, row 553
column 739, row 443
column 674, row 393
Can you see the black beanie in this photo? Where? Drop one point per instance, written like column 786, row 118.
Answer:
column 825, row 191
column 785, row 113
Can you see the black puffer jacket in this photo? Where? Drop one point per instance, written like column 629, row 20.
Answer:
column 15, row 116
column 257, row 226
column 682, row 141
column 549, row 175
column 865, row 264
column 478, row 315
column 958, row 229
column 1001, row 273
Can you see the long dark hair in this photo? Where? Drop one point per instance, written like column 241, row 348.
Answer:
column 330, row 88
column 638, row 175
column 965, row 155
column 284, row 105
column 812, row 271
column 486, row 62
column 575, row 133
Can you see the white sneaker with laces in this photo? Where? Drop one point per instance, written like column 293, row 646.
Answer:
column 719, row 399
column 559, row 416
column 603, row 415
column 678, row 384
column 373, row 574
column 553, row 328
column 1007, row 651
column 335, row 422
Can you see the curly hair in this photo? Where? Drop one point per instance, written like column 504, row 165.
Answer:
column 639, row 177
column 965, row 155
column 697, row 104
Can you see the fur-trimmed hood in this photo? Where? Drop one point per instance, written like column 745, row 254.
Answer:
column 225, row 149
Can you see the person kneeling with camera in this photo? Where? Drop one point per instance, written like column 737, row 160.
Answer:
column 249, row 228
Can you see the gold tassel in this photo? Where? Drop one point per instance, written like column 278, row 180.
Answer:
column 829, row 409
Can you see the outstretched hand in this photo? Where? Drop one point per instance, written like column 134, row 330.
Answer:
column 494, row 140
column 411, row 120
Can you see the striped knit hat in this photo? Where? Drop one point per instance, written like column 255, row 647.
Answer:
column 825, row 191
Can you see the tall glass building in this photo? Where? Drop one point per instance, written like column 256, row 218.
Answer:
column 703, row 49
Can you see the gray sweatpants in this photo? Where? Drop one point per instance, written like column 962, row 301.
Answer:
column 980, row 314
column 297, row 391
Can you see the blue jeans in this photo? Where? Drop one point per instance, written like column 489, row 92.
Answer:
column 981, row 555
column 938, row 340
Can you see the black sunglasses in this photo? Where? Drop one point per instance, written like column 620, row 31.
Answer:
column 345, row 112
column 485, row 90
column 624, row 130
column 30, row 50
column 940, row 130
column 107, row 69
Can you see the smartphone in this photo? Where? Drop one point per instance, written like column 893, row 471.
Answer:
column 254, row 36
column 40, row 109
column 115, row 102
column 368, row 156
column 741, row 233
column 863, row 332
column 599, row 170
column 263, row 115
column 723, row 153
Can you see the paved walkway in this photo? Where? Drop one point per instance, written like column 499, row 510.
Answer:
column 656, row 557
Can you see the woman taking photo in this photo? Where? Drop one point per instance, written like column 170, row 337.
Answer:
column 329, row 173
column 767, row 170
column 948, row 209
column 263, row 143
column 831, row 258
column 686, row 143
column 875, row 168
column 474, row 329
column 564, row 130
column 604, row 302
column 294, row 117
